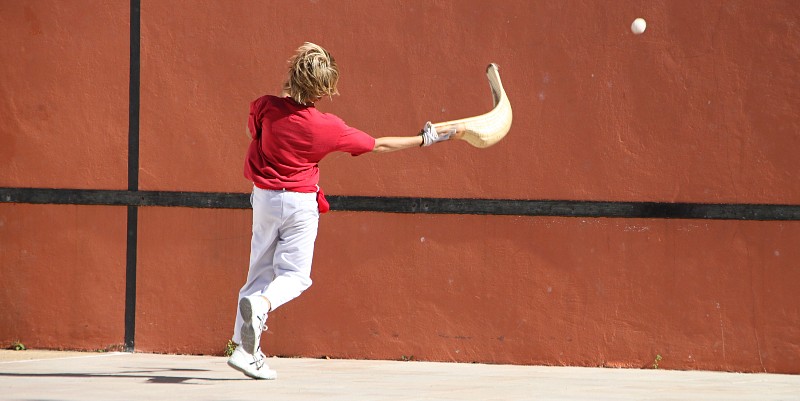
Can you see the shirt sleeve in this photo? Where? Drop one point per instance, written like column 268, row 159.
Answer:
column 355, row 142
column 256, row 113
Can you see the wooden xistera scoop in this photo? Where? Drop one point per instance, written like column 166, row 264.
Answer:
column 487, row 129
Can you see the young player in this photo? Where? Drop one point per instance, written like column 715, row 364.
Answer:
column 289, row 137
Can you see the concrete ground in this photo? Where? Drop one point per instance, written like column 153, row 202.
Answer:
column 62, row 376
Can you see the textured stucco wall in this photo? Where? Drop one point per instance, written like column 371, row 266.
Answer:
column 703, row 108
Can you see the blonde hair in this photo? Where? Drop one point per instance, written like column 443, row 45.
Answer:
column 312, row 74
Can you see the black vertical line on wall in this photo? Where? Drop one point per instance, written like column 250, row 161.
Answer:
column 133, row 178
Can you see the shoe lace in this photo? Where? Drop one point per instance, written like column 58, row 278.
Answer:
column 258, row 359
column 262, row 322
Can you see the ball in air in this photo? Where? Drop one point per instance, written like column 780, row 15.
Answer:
column 638, row 26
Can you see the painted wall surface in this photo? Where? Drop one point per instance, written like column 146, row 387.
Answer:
column 703, row 107
column 64, row 90
column 62, row 269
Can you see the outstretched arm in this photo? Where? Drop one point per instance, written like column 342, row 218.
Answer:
column 392, row 143
column 427, row 137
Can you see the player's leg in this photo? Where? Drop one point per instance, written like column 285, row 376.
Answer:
column 295, row 249
column 252, row 312
column 266, row 224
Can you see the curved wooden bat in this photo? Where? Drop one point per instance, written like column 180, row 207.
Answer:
column 487, row 129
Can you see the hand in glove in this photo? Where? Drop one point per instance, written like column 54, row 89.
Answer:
column 430, row 136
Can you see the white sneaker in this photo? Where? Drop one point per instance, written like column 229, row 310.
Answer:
column 251, row 365
column 254, row 312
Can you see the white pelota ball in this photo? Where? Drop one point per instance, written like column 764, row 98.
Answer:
column 638, row 26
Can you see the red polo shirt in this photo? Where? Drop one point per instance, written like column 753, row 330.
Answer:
column 290, row 139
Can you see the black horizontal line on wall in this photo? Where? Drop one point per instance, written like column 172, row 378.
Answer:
column 219, row 200
column 511, row 207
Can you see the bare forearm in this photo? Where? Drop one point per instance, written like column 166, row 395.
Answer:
column 393, row 143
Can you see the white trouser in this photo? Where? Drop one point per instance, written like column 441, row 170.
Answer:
column 284, row 229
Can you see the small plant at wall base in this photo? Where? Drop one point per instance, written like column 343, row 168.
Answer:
column 17, row 346
column 656, row 361
column 229, row 348
column 113, row 348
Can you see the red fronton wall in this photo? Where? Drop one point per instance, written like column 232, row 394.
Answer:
column 701, row 108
